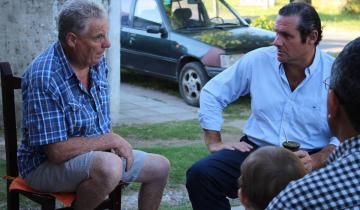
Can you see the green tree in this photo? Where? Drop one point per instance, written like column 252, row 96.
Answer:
column 352, row 7
column 264, row 22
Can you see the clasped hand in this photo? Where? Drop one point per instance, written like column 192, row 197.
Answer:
column 123, row 149
column 241, row 146
column 305, row 159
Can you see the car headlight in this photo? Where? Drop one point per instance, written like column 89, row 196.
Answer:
column 228, row 60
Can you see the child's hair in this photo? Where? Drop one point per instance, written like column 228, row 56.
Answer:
column 266, row 172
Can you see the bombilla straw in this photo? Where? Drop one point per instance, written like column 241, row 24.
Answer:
column 285, row 134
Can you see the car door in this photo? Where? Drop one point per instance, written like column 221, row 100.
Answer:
column 148, row 52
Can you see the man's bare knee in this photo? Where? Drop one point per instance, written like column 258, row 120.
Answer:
column 162, row 166
column 156, row 167
column 107, row 168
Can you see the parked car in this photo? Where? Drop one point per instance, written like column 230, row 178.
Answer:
column 188, row 41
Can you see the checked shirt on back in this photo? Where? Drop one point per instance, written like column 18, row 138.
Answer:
column 336, row 186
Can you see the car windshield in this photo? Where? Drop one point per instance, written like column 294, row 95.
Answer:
column 189, row 14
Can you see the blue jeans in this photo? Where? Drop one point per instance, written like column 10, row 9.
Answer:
column 210, row 180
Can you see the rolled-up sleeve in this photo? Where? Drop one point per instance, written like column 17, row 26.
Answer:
column 210, row 112
column 334, row 141
column 220, row 91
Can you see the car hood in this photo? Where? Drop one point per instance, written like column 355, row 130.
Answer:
column 234, row 39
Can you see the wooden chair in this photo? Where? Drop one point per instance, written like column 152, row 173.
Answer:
column 9, row 84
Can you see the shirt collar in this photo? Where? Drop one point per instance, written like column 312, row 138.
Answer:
column 312, row 68
column 67, row 69
column 64, row 62
column 348, row 146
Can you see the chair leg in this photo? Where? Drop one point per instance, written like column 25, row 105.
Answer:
column 115, row 197
column 48, row 205
column 13, row 200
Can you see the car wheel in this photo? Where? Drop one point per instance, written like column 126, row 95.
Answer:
column 192, row 79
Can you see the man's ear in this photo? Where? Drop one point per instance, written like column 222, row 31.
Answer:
column 244, row 199
column 313, row 36
column 333, row 105
column 71, row 39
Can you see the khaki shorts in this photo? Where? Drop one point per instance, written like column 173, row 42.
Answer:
column 66, row 177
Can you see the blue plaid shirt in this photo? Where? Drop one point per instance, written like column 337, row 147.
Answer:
column 336, row 186
column 56, row 106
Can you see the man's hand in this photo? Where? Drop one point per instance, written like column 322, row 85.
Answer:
column 214, row 143
column 316, row 160
column 241, row 146
column 123, row 149
column 305, row 159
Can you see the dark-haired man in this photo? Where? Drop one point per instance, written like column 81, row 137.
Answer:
column 288, row 99
column 337, row 185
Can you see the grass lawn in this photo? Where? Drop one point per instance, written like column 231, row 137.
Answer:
column 189, row 130
column 2, row 183
column 181, row 158
column 181, row 206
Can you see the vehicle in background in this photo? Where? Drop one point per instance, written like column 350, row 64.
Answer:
column 187, row 41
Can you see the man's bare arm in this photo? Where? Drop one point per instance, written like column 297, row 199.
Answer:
column 65, row 150
column 212, row 137
column 319, row 158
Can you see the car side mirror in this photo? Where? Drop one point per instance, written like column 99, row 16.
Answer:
column 155, row 29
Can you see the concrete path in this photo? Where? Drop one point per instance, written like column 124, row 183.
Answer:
column 140, row 105
column 334, row 40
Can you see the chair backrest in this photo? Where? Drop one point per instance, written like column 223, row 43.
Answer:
column 9, row 84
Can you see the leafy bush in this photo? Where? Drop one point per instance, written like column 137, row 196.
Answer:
column 352, row 7
column 264, row 22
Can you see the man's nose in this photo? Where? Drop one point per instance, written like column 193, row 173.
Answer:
column 106, row 43
column 277, row 41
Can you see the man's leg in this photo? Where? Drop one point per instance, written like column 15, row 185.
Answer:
column 105, row 175
column 150, row 169
column 213, row 178
column 92, row 175
column 153, row 177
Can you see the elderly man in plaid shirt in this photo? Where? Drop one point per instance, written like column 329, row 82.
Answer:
column 337, row 185
column 66, row 119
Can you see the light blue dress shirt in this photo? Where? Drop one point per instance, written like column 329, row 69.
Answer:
column 275, row 109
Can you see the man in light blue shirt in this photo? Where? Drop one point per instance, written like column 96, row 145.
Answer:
column 285, row 83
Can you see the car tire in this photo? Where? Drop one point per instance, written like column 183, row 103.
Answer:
column 192, row 78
